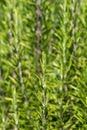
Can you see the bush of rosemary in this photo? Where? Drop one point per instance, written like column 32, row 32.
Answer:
column 43, row 65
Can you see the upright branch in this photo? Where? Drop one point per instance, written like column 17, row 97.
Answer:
column 77, row 26
column 63, row 73
column 17, row 52
column 52, row 18
column 38, row 30
column 18, row 35
column 73, row 29
column 13, row 73
column 38, row 33
column 64, row 47
column 78, row 14
column 44, row 106
column 43, row 66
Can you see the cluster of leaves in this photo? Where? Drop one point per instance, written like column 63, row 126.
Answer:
column 43, row 65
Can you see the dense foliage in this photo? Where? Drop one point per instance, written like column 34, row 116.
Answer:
column 43, row 64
